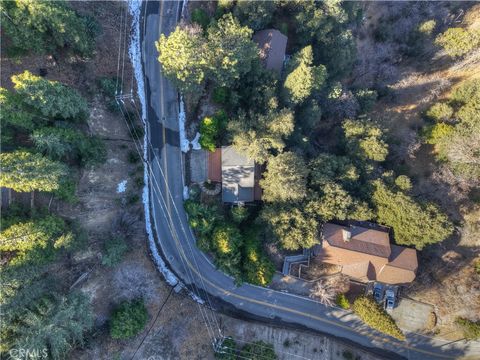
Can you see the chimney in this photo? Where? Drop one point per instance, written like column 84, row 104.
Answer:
column 347, row 235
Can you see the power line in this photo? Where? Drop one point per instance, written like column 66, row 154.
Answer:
column 181, row 224
column 169, row 224
column 153, row 323
column 151, row 172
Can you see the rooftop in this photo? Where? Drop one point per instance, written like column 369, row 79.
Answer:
column 237, row 176
column 366, row 254
column 272, row 44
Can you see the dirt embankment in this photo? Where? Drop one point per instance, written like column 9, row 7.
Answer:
column 446, row 276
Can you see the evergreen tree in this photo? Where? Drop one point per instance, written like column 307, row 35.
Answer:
column 336, row 203
column 231, row 51
column 183, row 56
column 413, row 223
column 51, row 98
column 261, row 135
column 303, row 77
column 285, row 178
column 327, row 168
column 24, row 172
column 458, row 41
column 365, row 139
column 54, row 323
column 14, row 112
column 293, row 228
column 254, row 14
column 46, row 25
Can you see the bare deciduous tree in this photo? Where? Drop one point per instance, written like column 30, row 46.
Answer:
column 323, row 292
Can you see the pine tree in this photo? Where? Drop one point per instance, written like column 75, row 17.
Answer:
column 51, row 98
column 24, row 172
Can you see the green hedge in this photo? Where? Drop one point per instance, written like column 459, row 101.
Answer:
column 376, row 317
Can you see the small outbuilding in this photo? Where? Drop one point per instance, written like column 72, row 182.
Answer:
column 272, row 44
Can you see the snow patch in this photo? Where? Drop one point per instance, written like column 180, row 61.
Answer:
column 184, row 143
column 134, row 51
column 196, row 142
column 121, row 187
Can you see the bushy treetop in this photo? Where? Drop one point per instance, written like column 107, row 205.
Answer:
column 51, row 98
column 46, row 25
column 285, row 178
column 24, row 172
column 413, row 223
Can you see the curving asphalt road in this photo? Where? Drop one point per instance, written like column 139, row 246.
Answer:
column 177, row 243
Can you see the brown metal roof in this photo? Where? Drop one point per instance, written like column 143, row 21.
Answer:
column 272, row 44
column 215, row 165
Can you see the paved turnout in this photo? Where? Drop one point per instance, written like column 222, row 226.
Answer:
column 177, row 242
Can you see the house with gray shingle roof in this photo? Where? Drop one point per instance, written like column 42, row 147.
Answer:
column 238, row 176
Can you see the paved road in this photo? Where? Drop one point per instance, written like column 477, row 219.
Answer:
column 177, row 242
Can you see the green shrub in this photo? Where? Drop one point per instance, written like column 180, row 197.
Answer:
column 347, row 355
column 466, row 92
column 366, row 98
column 471, row 329
column 258, row 269
column 221, row 95
column 342, row 301
column 376, row 317
column 227, row 350
column 458, row 41
column 92, row 150
column 115, row 249
column 239, row 213
column 403, row 183
column 128, row 319
column 208, row 133
column 211, row 129
column 434, row 134
column 200, row 17
column 427, row 27
column 108, row 87
column 66, row 191
column 440, row 112
column 258, row 350
column 133, row 157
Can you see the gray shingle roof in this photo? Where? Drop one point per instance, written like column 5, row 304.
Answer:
column 237, row 176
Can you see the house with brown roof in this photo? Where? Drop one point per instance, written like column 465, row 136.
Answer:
column 365, row 254
column 272, row 44
column 238, row 174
